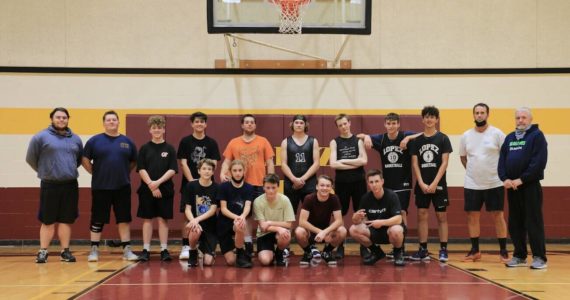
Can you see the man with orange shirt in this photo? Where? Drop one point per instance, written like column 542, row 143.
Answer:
column 257, row 153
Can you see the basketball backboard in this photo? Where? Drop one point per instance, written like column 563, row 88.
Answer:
column 263, row 16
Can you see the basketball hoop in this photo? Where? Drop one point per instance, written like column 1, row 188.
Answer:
column 291, row 12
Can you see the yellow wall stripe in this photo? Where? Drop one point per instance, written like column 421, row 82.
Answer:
column 454, row 121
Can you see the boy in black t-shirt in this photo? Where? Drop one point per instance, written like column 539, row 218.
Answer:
column 234, row 198
column 379, row 221
column 430, row 155
column 348, row 158
column 200, row 198
column 156, row 165
column 191, row 150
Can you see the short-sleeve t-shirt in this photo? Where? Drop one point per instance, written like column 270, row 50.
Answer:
column 200, row 199
column 429, row 151
column 482, row 150
column 280, row 210
column 157, row 159
column 396, row 163
column 111, row 157
column 320, row 212
column 194, row 150
column 254, row 154
column 236, row 199
column 381, row 209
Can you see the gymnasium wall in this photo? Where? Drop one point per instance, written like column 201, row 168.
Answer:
column 172, row 34
column 411, row 34
column 30, row 97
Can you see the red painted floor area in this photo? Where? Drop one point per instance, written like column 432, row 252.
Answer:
column 348, row 280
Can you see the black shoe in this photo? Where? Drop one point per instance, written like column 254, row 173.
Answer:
column 375, row 255
column 242, row 259
column 364, row 252
column 249, row 249
column 278, row 257
column 42, row 257
column 399, row 259
column 329, row 258
column 165, row 255
column 390, row 254
column 306, row 259
column 67, row 256
column 339, row 252
column 193, row 258
column 145, row 255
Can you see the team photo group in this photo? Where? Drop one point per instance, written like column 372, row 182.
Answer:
column 225, row 218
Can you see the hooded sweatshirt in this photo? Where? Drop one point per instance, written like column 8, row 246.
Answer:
column 524, row 158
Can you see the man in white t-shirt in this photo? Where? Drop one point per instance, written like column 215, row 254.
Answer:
column 479, row 151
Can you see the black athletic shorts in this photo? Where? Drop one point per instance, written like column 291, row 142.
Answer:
column 208, row 243
column 226, row 241
column 494, row 199
column 350, row 190
column 404, row 197
column 439, row 199
column 267, row 242
column 151, row 207
column 379, row 235
column 58, row 202
column 103, row 200
column 297, row 196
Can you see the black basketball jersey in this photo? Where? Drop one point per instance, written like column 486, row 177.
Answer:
column 396, row 163
column 300, row 158
column 347, row 148
column 429, row 151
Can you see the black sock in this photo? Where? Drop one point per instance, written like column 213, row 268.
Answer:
column 95, row 243
column 308, row 248
column 423, row 246
column 397, row 250
column 125, row 244
column 66, row 249
column 373, row 248
column 475, row 243
column 185, row 242
column 328, row 248
column 503, row 243
column 443, row 245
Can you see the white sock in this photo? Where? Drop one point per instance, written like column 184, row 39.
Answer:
column 248, row 239
column 163, row 247
column 146, row 247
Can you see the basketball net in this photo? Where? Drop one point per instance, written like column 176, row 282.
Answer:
column 291, row 12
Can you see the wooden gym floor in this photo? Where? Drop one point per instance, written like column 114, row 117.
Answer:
column 112, row 278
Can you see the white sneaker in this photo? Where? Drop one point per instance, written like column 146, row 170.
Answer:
column 184, row 253
column 315, row 252
column 94, row 254
column 129, row 255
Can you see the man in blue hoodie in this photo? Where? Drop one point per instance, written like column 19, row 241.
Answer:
column 55, row 153
column 521, row 167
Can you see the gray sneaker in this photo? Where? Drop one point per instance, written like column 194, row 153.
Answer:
column 516, row 262
column 94, row 254
column 538, row 263
column 129, row 255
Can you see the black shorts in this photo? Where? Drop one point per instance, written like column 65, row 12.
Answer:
column 297, row 196
column 226, row 241
column 182, row 202
column 58, row 202
column 350, row 190
column 494, row 199
column 208, row 243
column 439, row 199
column 404, row 197
column 379, row 235
column 151, row 207
column 267, row 242
column 119, row 199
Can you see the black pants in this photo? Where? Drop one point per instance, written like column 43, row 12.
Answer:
column 525, row 217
